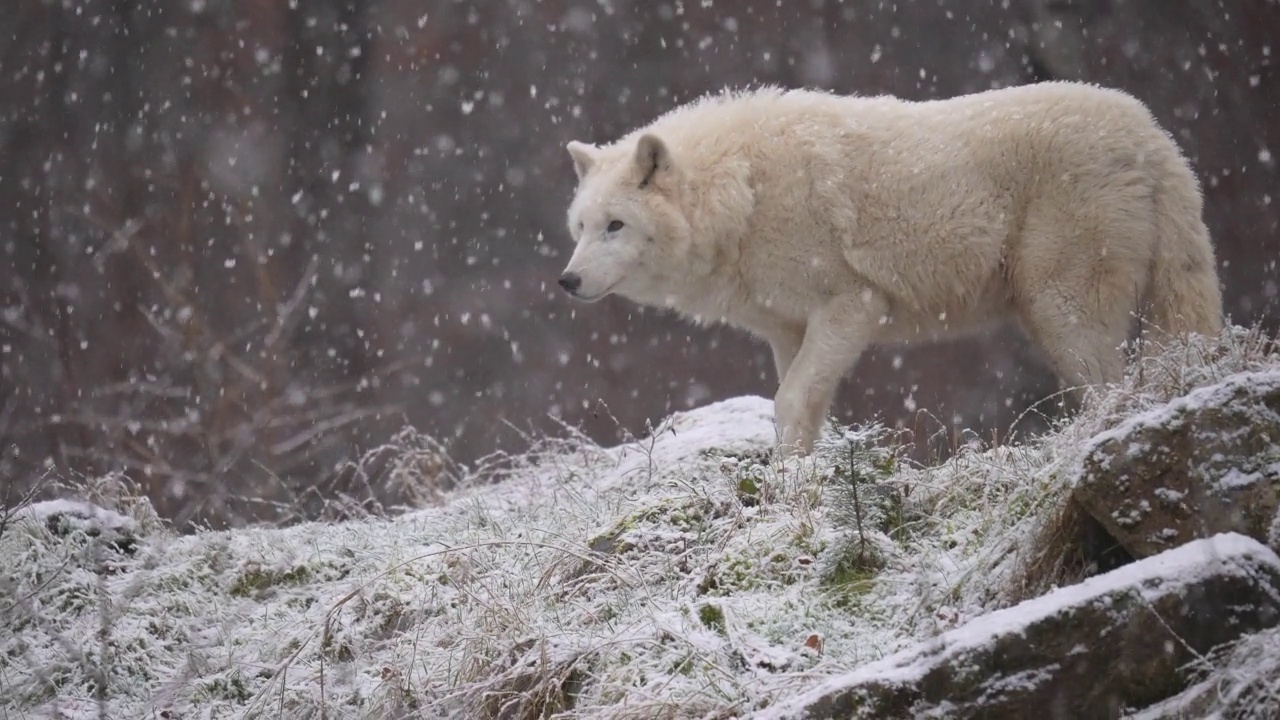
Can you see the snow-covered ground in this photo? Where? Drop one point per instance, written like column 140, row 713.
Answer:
column 686, row 574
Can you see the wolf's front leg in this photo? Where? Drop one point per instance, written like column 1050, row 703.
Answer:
column 836, row 335
column 785, row 343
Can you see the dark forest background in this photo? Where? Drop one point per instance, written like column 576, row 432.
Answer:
column 243, row 242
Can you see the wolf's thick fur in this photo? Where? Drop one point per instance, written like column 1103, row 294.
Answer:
column 824, row 224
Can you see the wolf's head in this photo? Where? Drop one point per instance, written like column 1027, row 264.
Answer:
column 631, row 235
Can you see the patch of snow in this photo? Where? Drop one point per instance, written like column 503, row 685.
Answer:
column 80, row 513
column 1234, row 479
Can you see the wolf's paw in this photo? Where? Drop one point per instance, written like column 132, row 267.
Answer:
column 798, row 425
column 795, row 444
column 788, row 416
column 796, row 437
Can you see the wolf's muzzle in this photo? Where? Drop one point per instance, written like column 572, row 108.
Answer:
column 571, row 282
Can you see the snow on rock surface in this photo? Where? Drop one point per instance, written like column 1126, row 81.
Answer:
column 1205, row 463
column 81, row 514
column 1140, row 623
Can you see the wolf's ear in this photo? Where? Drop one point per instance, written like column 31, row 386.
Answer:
column 652, row 158
column 583, row 157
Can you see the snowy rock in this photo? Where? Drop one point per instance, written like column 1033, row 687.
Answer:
column 1115, row 641
column 66, row 518
column 1203, row 464
column 80, row 514
column 1237, row 682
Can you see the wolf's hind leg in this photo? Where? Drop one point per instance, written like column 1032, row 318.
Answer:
column 835, row 336
column 1082, row 340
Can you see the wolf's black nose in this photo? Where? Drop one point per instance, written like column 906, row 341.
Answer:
column 571, row 282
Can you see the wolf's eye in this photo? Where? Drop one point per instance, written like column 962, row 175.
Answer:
column 615, row 226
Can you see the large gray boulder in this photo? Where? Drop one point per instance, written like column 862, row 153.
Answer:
column 1237, row 683
column 1114, row 642
column 1202, row 464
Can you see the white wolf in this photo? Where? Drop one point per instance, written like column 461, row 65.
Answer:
column 825, row 224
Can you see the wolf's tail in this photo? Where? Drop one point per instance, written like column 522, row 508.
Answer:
column 1183, row 294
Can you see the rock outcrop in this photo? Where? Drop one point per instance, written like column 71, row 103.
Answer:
column 1114, row 642
column 1203, row 464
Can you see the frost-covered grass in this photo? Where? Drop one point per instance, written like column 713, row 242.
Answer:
column 688, row 574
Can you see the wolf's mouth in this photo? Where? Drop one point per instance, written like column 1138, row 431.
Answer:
column 590, row 298
column 576, row 294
